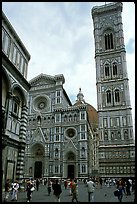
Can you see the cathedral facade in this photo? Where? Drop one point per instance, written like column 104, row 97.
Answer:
column 59, row 141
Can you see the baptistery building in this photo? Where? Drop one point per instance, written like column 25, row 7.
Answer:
column 15, row 92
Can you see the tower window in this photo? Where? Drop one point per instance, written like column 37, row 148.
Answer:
column 114, row 69
column 109, row 41
column 108, row 96
column 117, row 97
column 107, row 70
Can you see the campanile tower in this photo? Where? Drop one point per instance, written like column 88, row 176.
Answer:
column 116, row 148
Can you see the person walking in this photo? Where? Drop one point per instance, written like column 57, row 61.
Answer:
column 91, row 189
column 121, row 189
column 70, row 186
column 65, row 184
column 56, row 190
column 37, row 184
column 7, row 190
column 29, row 190
column 15, row 187
column 49, row 186
column 74, row 191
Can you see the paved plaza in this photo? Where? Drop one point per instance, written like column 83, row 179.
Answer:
column 101, row 195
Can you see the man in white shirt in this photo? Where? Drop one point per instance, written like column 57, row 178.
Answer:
column 91, row 189
column 15, row 187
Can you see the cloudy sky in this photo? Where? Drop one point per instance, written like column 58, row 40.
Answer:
column 59, row 38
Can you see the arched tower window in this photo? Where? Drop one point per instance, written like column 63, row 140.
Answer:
column 114, row 67
column 117, row 96
column 109, row 41
column 56, row 152
column 108, row 96
column 107, row 73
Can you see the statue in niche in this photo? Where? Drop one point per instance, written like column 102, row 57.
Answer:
column 71, row 156
column 39, row 120
column 47, row 133
column 39, row 152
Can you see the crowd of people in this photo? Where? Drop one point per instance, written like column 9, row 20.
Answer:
column 123, row 185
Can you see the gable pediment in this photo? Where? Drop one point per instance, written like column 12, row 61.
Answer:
column 38, row 136
column 70, row 146
column 42, row 79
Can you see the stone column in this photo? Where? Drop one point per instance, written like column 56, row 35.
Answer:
column 22, row 143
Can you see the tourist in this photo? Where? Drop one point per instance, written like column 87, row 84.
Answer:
column 91, row 189
column 15, row 187
column 56, row 190
column 7, row 190
column 74, row 190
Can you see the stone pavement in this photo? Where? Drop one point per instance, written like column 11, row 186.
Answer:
column 101, row 195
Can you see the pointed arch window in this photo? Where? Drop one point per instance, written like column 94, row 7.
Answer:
column 117, row 96
column 107, row 73
column 109, row 41
column 83, row 168
column 114, row 67
column 15, row 106
column 108, row 96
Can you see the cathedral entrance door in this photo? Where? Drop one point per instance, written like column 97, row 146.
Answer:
column 71, row 171
column 38, row 169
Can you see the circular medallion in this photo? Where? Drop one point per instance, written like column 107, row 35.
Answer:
column 41, row 105
column 70, row 132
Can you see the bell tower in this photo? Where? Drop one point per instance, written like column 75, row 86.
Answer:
column 116, row 148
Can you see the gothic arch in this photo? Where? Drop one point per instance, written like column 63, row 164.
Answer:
column 70, row 156
column 17, row 91
column 37, row 149
column 108, row 38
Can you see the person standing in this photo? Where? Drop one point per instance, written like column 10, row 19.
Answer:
column 7, row 190
column 91, row 189
column 37, row 184
column 49, row 186
column 65, row 184
column 56, row 190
